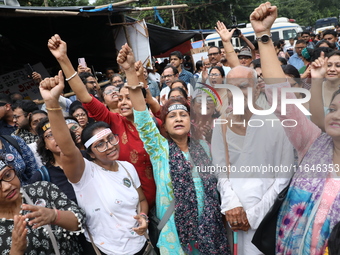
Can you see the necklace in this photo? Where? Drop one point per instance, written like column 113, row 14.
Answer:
column 108, row 169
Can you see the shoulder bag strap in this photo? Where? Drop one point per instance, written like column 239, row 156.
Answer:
column 46, row 227
column 168, row 212
column 45, row 176
column 93, row 244
column 13, row 142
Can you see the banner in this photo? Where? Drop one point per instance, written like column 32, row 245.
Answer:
column 18, row 81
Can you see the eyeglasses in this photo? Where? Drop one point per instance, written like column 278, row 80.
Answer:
column 8, row 176
column 213, row 54
column 244, row 57
column 214, row 75
column 260, row 77
column 49, row 136
column 74, row 127
column 79, row 115
column 117, row 82
column 102, row 146
column 17, row 116
column 110, row 91
column 176, row 97
column 199, row 100
column 167, row 76
column 92, row 82
column 2, row 104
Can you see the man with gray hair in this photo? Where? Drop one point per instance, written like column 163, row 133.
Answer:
column 248, row 145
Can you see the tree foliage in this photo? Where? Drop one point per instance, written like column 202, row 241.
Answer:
column 204, row 13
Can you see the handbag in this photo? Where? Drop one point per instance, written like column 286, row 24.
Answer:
column 265, row 235
column 156, row 225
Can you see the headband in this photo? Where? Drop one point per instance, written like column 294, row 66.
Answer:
column 46, row 126
column 177, row 107
column 97, row 137
column 70, row 121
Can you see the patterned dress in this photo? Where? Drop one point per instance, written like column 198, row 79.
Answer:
column 312, row 206
column 38, row 241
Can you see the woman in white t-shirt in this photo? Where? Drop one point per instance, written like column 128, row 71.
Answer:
column 107, row 189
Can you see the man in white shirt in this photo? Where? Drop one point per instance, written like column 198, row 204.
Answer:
column 253, row 142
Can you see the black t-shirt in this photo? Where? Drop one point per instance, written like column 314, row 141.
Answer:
column 59, row 178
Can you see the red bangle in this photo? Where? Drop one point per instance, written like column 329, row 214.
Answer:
column 57, row 217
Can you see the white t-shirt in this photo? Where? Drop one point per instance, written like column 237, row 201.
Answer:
column 155, row 77
column 110, row 202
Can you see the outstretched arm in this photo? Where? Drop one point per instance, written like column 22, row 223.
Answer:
column 226, row 36
column 59, row 50
column 318, row 71
column 72, row 160
column 126, row 60
column 262, row 19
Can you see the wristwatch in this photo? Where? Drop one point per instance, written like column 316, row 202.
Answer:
column 264, row 38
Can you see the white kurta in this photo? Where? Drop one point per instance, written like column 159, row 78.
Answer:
column 254, row 191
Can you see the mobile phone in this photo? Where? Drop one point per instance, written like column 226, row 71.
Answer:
column 29, row 70
column 236, row 33
column 81, row 61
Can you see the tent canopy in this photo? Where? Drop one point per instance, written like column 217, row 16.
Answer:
column 24, row 33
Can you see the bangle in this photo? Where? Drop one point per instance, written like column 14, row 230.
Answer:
column 145, row 217
column 57, row 217
column 54, row 109
column 72, row 76
column 230, row 51
column 133, row 87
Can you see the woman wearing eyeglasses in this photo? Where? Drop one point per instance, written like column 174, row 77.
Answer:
column 107, row 189
column 110, row 96
column 24, row 212
column 132, row 147
column 78, row 112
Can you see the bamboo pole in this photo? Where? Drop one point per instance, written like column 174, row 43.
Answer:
column 56, row 13
column 176, row 6
column 117, row 4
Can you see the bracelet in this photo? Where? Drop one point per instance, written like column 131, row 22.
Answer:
column 230, row 51
column 57, row 217
column 72, row 76
column 133, row 87
column 54, row 109
column 145, row 217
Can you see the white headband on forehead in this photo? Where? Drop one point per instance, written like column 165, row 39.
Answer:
column 177, row 107
column 97, row 137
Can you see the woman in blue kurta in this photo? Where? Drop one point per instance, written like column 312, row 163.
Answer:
column 196, row 225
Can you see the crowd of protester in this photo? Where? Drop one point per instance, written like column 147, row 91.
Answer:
column 82, row 175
